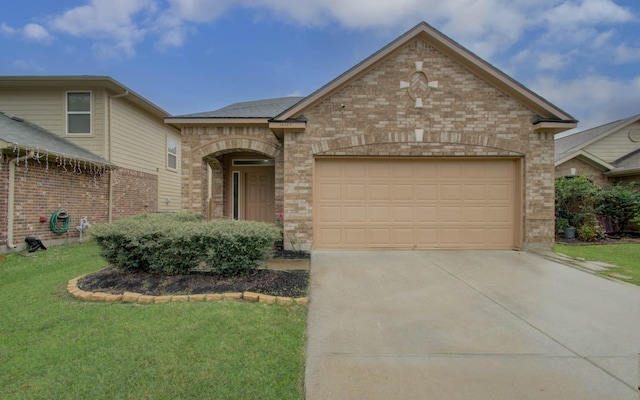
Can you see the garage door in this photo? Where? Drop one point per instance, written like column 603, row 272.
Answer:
column 415, row 203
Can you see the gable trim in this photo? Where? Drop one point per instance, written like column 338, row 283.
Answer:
column 451, row 48
column 589, row 158
column 609, row 132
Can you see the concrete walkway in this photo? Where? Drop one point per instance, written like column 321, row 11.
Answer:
column 468, row 325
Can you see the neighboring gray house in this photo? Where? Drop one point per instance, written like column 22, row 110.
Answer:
column 607, row 153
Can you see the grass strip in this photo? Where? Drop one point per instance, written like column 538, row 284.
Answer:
column 54, row 346
column 626, row 256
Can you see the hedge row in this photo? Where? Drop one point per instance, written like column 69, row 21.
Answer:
column 176, row 243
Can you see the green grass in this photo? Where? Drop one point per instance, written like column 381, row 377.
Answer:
column 55, row 347
column 625, row 255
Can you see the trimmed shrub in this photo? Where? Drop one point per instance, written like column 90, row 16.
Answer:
column 177, row 243
column 239, row 247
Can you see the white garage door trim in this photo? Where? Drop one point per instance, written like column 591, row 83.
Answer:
column 383, row 202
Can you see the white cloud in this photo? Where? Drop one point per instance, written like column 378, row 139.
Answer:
column 551, row 61
column 33, row 32
column 110, row 20
column 7, row 30
column 570, row 13
column 26, row 65
column 625, row 54
column 594, row 100
column 601, row 39
column 36, row 32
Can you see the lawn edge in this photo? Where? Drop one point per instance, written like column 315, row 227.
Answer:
column 139, row 298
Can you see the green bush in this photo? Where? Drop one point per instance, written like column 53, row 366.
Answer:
column 176, row 243
column 621, row 203
column 239, row 247
column 575, row 200
column 590, row 231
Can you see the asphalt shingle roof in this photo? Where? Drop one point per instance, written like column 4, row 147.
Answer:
column 268, row 108
column 25, row 135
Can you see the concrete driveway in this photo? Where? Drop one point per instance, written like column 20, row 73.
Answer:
column 467, row 325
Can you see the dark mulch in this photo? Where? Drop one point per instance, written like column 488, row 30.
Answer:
column 291, row 283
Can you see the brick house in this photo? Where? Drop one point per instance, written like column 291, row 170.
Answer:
column 84, row 144
column 605, row 154
column 421, row 145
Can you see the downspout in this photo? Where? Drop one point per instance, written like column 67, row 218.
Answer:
column 12, row 193
column 110, row 144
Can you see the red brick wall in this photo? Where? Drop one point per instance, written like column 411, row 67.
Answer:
column 134, row 193
column 40, row 190
column 4, row 198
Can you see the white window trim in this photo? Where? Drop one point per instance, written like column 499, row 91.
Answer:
column 67, row 112
column 169, row 138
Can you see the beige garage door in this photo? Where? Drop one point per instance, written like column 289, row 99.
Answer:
column 415, row 203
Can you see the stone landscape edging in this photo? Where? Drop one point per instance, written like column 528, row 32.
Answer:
column 131, row 297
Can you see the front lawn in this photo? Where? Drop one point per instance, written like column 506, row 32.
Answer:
column 625, row 255
column 53, row 346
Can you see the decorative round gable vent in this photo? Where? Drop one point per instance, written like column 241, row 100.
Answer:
column 634, row 134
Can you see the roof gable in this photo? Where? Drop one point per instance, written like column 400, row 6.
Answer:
column 546, row 111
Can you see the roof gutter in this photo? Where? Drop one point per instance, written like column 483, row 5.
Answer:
column 12, row 194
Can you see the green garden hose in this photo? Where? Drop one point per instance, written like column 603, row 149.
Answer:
column 59, row 221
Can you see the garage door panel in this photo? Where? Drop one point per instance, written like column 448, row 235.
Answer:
column 500, row 192
column 379, row 236
column 426, row 214
column 450, row 192
column 450, row 214
column 403, row 237
column 330, row 191
column 379, row 214
column 475, row 192
column 410, row 203
column 355, row 237
column 379, row 170
column 331, row 237
column 403, row 192
column 355, row 192
column 403, row 214
column 354, row 170
column 329, row 214
column 475, row 214
column 379, row 192
column 355, row 214
column 427, row 192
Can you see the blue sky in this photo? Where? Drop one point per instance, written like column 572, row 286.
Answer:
column 189, row 56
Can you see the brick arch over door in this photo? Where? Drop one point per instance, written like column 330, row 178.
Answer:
column 474, row 145
column 194, row 169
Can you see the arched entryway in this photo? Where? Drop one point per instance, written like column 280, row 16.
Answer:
column 236, row 178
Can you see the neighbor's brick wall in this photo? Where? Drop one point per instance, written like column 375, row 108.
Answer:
column 465, row 116
column 582, row 168
column 41, row 190
column 134, row 193
column 4, row 200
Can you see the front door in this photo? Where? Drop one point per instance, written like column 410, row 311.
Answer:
column 259, row 194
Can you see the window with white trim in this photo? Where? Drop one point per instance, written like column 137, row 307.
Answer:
column 78, row 113
column 172, row 153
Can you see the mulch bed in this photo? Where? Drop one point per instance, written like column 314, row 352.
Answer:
column 292, row 283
